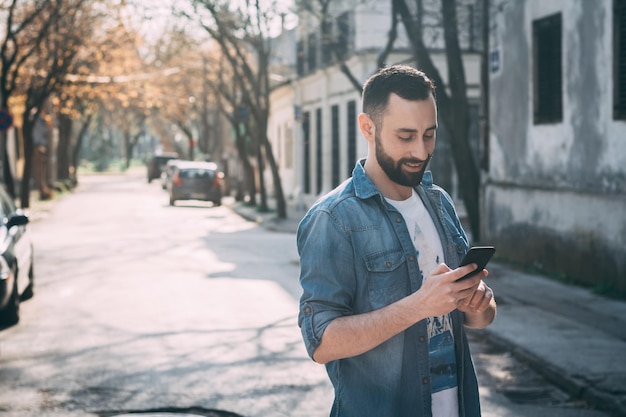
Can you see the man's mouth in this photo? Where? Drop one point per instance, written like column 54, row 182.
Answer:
column 414, row 165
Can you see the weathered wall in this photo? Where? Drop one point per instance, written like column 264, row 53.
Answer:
column 555, row 195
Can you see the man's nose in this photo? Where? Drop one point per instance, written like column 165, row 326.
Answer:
column 419, row 150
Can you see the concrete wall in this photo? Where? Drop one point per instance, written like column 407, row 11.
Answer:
column 555, row 194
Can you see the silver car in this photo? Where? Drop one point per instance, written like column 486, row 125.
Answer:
column 195, row 181
column 16, row 260
column 166, row 174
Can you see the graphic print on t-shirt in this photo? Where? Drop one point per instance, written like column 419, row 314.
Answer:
column 441, row 340
column 441, row 349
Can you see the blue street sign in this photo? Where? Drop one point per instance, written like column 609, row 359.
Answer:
column 6, row 120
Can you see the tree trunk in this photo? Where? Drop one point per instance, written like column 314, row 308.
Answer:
column 27, row 129
column 458, row 125
column 453, row 108
column 128, row 148
column 63, row 149
column 248, row 171
column 7, row 175
column 281, row 205
column 78, row 145
column 261, row 167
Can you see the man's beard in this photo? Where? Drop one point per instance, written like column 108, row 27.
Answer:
column 393, row 169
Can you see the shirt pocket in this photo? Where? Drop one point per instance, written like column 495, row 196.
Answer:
column 387, row 280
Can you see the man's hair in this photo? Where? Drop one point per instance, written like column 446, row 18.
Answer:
column 403, row 80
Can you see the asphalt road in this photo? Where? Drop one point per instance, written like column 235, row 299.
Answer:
column 140, row 306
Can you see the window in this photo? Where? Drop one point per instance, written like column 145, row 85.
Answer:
column 344, row 34
column 547, row 70
column 306, row 131
column 327, row 43
column 300, row 58
column 351, row 123
column 334, row 117
column 619, row 59
column 318, row 149
column 312, row 53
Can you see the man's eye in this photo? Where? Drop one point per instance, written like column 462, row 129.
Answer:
column 428, row 137
column 406, row 138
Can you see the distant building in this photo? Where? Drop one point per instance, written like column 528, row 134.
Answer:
column 555, row 190
column 313, row 112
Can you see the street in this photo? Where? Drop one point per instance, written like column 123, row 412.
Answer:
column 140, row 306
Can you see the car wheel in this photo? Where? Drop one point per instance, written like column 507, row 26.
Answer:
column 11, row 313
column 29, row 291
column 172, row 201
column 218, row 202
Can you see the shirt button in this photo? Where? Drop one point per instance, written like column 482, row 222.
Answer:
column 398, row 219
column 425, row 380
column 388, row 264
column 307, row 309
column 411, row 258
column 422, row 339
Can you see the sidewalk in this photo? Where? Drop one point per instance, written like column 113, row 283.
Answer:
column 575, row 338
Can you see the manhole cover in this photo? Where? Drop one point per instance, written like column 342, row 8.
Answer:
column 208, row 413
column 171, row 412
column 158, row 415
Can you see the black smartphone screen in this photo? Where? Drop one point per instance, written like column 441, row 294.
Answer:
column 478, row 255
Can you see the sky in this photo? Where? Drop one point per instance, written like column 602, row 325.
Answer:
column 151, row 17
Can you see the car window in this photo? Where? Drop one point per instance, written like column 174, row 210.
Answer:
column 196, row 173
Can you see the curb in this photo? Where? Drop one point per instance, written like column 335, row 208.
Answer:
column 577, row 387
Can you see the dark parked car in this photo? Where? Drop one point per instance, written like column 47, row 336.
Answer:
column 16, row 260
column 196, row 181
column 157, row 163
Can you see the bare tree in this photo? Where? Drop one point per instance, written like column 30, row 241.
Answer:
column 54, row 60
column 26, row 29
column 228, row 92
column 242, row 34
column 452, row 101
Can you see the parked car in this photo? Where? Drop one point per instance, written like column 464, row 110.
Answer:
column 168, row 170
column 196, row 181
column 16, row 260
column 157, row 163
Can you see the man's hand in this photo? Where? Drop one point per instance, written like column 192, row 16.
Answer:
column 440, row 292
column 479, row 301
column 480, row 306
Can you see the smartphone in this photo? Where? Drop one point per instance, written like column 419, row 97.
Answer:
column 478, row 255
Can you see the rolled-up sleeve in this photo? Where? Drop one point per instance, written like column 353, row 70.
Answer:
column 326, row 275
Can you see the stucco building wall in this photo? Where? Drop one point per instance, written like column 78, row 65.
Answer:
column 555, row 194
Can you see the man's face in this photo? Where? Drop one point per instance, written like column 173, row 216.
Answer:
column 405, row 140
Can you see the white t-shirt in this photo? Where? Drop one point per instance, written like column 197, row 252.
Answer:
column 441, row 340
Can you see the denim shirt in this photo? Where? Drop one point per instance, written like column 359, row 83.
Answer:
column 356, row 255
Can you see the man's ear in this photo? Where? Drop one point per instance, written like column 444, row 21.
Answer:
column 367, row 126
